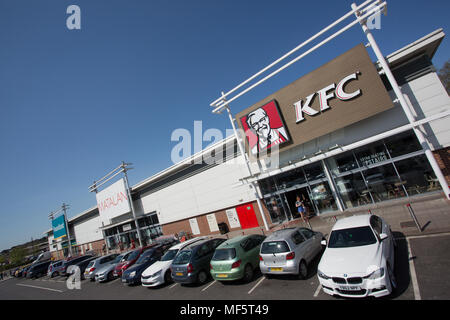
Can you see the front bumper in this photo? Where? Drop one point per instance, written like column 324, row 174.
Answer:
column 366, row 288
column 131, row 280
column 153, row 281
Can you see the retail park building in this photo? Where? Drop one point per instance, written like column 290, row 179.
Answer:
column 357, row 160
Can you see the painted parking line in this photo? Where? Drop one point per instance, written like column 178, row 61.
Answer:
column 257, row 284
column 209, row 285
column 37, row 287
column 172, row 286
column 412, row 271
column 317, row 290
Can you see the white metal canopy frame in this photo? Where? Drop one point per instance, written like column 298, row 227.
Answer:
column 123, row 167
column 362, row 12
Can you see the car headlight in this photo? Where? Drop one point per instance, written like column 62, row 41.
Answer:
column 322, row 275
column 376, row 274
column 156, row 274
column 133, row 274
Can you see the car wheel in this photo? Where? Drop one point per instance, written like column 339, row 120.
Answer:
column 302, row 270
column 168, row 277
column 109, row 277
column 248, row 273
column 202, row 277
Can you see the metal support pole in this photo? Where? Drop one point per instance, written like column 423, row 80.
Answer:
column 411, row 212
column 254, row 184
column 138, row 230
column 401, row 98
column 64, row 207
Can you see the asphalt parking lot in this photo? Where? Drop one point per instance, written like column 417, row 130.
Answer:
column 421, row 271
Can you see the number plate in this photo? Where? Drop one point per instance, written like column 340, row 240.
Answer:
column 350, row 288
column 179, row 273
column 124, row 280
column 222, row 275
column 275, row 269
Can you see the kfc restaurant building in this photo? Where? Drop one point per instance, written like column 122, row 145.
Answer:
column 343, row 143
column 334, row 130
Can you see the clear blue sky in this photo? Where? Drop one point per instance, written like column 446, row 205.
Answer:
column 74, row 103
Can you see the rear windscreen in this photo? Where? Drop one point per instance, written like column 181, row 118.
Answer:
column 183, row 257
column 224, row 254
column 274, row 247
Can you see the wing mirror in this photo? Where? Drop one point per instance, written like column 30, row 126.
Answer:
column 323, row 242
column 383, row 236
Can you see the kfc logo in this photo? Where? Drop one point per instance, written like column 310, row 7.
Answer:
column 264, row 128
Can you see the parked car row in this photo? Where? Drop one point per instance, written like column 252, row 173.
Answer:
column 357, row 260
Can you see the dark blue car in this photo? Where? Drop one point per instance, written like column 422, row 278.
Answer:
column 133, row 275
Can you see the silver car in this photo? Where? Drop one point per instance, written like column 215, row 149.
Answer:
column 289, row 251
column 106, row 273
column 97, row 264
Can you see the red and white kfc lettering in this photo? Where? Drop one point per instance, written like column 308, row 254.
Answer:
column 324, row 95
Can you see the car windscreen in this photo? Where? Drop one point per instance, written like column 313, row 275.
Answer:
column 351, row 237
column 145, row 256
column 169, row 255
column 224, row 254
column 274, row 247
column 183, row 257
column 118, row 258
column 133, row 255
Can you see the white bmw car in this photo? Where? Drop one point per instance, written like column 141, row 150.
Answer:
column 359, row 258
column 159, row 272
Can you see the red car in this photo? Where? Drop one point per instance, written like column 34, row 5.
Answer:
column 130, row 260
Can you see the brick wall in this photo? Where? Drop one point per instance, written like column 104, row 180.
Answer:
column 443, row 159
column 183, row 225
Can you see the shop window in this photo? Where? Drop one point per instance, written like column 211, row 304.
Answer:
column 371, row 154
column 267, row 185
column 322, row 197
column 314, row 172
column 353, row 190
column 417, row 175
column 384, row 183
column 291, row 178
column 402, row 143
column 342, row 163
column 275, row 208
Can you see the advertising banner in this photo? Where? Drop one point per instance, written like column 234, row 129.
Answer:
column 113, row 202
column 194, row 226
column 233, row 219
column 212, row 221
column 343, row 91
column 59, row 227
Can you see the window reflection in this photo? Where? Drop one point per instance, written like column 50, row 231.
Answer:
column 322, row 196
column 402, row 143
column 417, row 175
column 342, row 163
column 384, row 183
column 353, row 190
column 371, row 154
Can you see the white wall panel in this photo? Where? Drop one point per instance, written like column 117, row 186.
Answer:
column 88, row 230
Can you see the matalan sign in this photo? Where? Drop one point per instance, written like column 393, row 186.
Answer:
column 113, row 201
column 342, row 92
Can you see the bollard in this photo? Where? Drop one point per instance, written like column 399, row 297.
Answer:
column 411, row 212
column 370, row 211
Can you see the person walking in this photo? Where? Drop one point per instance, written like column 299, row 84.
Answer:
column 300, row 207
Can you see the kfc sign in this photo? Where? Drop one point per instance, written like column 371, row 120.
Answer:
column 342, row 92
column 264, row 128
column 324, row 96
column 113, row 201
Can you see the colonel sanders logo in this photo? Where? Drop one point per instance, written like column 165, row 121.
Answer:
column 264, row 128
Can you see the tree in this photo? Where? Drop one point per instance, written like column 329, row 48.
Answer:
column 444, row 75
column 17, row 255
